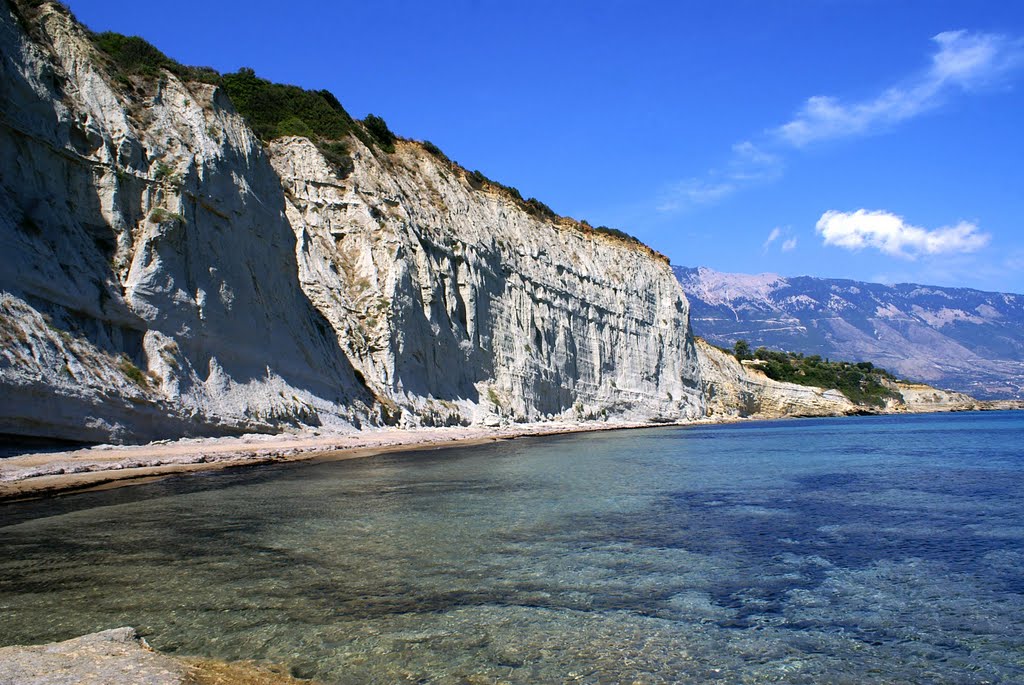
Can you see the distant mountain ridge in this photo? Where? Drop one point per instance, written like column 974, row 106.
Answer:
column 967, row 340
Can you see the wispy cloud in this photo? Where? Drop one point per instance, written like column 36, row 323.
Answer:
column 750, row 160
column 963, row 62
column 748, row 164
column 692, row 192
column 777, row 233
column 892, row 235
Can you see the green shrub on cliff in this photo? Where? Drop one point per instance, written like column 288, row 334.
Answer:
column 378, row 128
column 275, row 110
column 621, row 235
column 271, row 108
column 538, row 208
column 294, row 126
column 862, row 383
column 132, row 55
column 436, row 151
column 132, row 372
column 741, row 350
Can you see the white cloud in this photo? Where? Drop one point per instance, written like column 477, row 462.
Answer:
column 969, row 58
column 789, row 244
column 746, row 151
column 750, row 163
column 772, row 237
column 892, row 235
column 964, row 61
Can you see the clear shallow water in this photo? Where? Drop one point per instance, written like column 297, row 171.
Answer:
column 858, row 550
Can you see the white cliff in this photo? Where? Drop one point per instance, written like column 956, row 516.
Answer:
column 920, row 398
column 146, row 232
column 164, row 274
column 457, row 304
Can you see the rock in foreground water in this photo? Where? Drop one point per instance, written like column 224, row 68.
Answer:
column 120, row 657
column 111, row 656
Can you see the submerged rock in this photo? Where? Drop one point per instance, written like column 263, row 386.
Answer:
column 120, row 657
column 113, row 656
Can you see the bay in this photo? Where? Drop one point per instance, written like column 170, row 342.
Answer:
column 868, row 549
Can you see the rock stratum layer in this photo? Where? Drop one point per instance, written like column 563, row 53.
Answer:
column 166, row 274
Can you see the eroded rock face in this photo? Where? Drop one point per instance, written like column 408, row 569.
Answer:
column 456, row 304
column 735, row 390
column 146, row 238
column 165, row 275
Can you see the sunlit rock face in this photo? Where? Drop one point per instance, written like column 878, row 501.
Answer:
column 457, row 304
column 735, row 391
column 741, row 390
column 165, row 274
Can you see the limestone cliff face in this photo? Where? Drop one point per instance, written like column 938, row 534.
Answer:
column 736, row 390
column 149, row 269
column 458, row 305
column 918, row 398
column 164, row 274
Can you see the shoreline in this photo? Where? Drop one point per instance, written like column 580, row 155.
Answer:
column 101, row 467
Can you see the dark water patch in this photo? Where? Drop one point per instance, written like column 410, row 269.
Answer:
column 13, row 445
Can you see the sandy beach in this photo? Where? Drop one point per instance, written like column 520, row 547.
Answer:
column 103, row 466
column 54, row 472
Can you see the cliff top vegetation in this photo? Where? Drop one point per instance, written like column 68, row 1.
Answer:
column 862, row 382
column 275, row 110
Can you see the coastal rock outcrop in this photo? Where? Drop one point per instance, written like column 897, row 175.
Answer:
column 165, row 274
column 740, row 390
column 118, row 657
column 920, row 398
column 737, row 391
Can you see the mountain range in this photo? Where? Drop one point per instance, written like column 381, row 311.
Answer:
column 966, row 340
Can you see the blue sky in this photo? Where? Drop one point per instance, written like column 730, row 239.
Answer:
column 863, row 139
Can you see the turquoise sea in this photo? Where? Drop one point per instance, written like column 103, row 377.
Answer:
column 855, row 550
